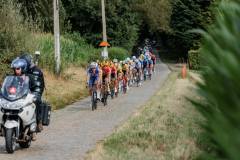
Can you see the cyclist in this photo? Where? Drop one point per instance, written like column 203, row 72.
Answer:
column 150, row 65
column 106, row 74
column 154, row 59
column 92, row 77
column 138, row 67
column 113, row 83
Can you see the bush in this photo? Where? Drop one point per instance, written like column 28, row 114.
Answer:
column 194, row 59
column 221, row 87
column 74, row 50
column 14, row 34
column 118, row 53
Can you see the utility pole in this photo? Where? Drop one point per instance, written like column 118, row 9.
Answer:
column 56, row 36
column 105, row 51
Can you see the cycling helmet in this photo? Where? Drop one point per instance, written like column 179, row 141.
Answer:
column 28, row 58
column 115, row 61
column 93, row 65
column 128, row 59
column 19, row 63
column 134, row 58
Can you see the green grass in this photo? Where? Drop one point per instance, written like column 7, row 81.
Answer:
column 166, row 128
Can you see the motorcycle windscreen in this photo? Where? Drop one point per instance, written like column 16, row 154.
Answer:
column 15, row 87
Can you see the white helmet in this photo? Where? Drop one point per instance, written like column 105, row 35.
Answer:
column 134, row 58
column 128, row 59
column 93, row 65
column 115, row 61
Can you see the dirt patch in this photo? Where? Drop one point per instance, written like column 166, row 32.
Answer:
column 67, row 88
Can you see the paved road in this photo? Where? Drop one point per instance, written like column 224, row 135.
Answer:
column 76, row 129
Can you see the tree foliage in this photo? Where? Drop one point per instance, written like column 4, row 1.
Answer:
column 221, row 88
column 122, row 21
column 41, row 11
column 156, row 14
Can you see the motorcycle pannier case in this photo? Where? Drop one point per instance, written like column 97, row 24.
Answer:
column 46, row 114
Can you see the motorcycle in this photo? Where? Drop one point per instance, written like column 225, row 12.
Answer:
column 17, row 112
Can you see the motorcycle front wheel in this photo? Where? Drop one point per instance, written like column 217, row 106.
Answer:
column 10, row 139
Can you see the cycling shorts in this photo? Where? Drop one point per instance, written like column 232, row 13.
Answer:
column 92, row 81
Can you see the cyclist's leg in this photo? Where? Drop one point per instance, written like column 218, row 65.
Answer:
column 90, row 86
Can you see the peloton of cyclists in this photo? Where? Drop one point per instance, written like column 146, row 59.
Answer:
column 118, row 76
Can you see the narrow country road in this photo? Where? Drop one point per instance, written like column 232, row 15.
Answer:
column 76, row 129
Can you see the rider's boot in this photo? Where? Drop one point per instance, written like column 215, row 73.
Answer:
column 39, row 126
column 34, row 136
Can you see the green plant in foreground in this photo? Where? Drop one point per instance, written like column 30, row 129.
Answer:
column 221, row 87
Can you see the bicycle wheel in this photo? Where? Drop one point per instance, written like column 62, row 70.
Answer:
column 94, row 100
column 105, row 98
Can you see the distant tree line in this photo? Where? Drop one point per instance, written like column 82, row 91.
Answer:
column 129, row 22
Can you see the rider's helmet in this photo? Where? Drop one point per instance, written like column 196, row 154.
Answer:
column 115, row 61
column 19, row 64
column 93, row 65
column 134, row 58
column 29, row 59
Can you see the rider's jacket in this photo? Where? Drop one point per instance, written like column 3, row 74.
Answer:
column 37, row 83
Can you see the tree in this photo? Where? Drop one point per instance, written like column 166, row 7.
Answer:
column 122, row 21
column 186, row 16
column 41, row 12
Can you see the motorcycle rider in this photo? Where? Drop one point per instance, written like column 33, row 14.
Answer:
column 19, row 67
column 37, row 86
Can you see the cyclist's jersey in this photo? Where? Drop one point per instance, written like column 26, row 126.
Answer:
column 93, row 75
column 141, row 57
column 125, row 67
column 132, row 65
column 106, row 70
column 119, row 69
column 138, row 65
column 113, row 70
column 145, row 63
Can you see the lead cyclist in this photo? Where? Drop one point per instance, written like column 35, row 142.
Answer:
column 92, row 77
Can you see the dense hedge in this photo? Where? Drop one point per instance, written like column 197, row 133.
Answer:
column 118, row 53
column 194, row 59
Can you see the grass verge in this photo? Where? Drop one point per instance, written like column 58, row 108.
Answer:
column 165, row 128
column 66, row 89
